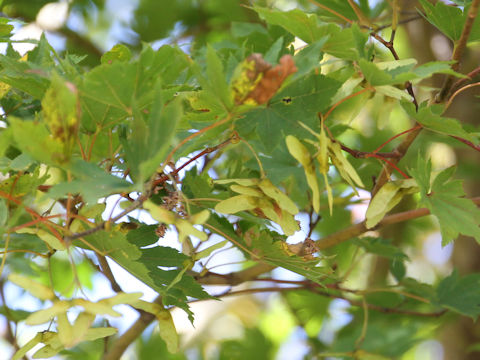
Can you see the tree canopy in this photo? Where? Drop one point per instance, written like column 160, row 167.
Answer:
column 308, row 150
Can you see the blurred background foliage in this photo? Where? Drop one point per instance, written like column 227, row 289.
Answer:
column 293, row 325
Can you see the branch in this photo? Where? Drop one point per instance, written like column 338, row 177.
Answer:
column 360, row 228
column 466, row 142
column 316, row 290
column 462, row 89
column 128, row 337
column 144, row 197
column 382, row 309
column 81, row 41
column 366, row 154
column 389, row 46
column 10, row 335
column 459, row 49
column 107, row 271
column 401, row 22
column 135, row 205
column 252, row 273
column 234, row 278
column 462, row 81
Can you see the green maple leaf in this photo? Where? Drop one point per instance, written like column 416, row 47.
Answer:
column 299, row 101
column 445, row 199
column 110, row 91
column 461, row 295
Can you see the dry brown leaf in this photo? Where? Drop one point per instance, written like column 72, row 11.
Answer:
column 271, row 79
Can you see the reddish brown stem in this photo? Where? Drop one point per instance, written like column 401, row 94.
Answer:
column 33, row 222
column 206, row 151
column 365, row 154
column 33, row 213
column 389, row 46
column 345, row 99
column 462, row 81
column 94, row 137
column 82, row 151
column 390, row 163
column 316, row 289
column 326, row 8
column 466, row 142
column 394, row 137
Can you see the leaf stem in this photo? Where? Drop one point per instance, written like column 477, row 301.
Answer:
column 466, row 142
column 262, row 172
column 194, row 135
column 460, row 82
column 343, row 100
column 363, row 333
column 466, row 87
column 401, row 150
column 326, row 8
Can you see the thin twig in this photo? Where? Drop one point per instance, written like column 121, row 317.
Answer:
column 317, row 291
column 194, row 135
column 313, row 224
column 459, row 49
column 466, row 87
column 401, row 22
column 142, row 198
column 389, row 46
column 466, row 142
column 459, row 83
column 402, row 150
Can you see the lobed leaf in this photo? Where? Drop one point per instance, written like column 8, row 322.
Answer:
column 449, row 20
column 444, row 198
column 431, row 118
column 461, row 295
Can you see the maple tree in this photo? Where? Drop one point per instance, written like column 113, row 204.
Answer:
column 241, row 143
